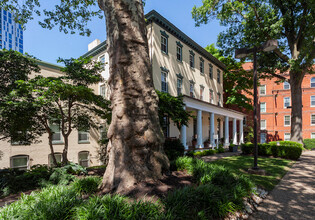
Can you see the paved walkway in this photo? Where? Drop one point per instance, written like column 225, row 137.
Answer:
column 219, row 156
column 294, row 197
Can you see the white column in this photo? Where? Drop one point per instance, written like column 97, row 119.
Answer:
column 212, row 130
column 199, row 129
column 183, row 135
column 241, row 132
column 226, row 134
column 234, row 131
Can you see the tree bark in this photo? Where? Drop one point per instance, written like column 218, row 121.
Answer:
column 297, row 105
column 135, row 136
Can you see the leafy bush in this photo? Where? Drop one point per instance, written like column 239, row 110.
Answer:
column 60, row 176
column 309, row 143
column 173, row 148
column 53, row 202
column 285, row 149
column 204, row 153
column 87, row 185
column 220, row 149
column 73, row 168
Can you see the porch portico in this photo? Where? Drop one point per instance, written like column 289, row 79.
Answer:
column 208, row 125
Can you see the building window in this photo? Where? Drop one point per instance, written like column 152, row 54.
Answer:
column 263, row 107
column 262, row 138
column 287, row 136
column 202, row 88
column 313, row 136
column 286, row 101
column 179, row 86
column 84, row 158
column 164, row 42
column 192, row 59
column 19, row 162
column 83, row 136
column 202, row 65
column 191, row 89
column 313, row 82
column 58, row 157
column 163, row 81
column 313, row 101
column 103, row 90
column 312, row 119
column 165, row 126
column 287, row 120
column 210, row 71
column 219, row 76
column 102, row 60
column 262, row 90
column 219, row 99
column 56, row 136
column 263, row 124
column 211, row 96
column 286, row 85
column 179, row 51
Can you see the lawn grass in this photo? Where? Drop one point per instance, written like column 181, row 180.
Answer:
column 275, row 168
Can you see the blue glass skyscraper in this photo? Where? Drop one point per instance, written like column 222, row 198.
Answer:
column 11, row 33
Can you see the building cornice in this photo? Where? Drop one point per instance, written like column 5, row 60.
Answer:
column 96, row 50
column 154, row 16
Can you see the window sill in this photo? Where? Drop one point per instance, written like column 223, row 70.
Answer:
column 180, row 61
column 166, row 54
column 57, row 142
column 83, row 142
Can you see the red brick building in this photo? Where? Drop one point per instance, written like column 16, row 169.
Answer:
column 275, row 108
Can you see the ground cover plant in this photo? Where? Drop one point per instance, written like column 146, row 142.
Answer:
column 309, row 143
column 275, row 168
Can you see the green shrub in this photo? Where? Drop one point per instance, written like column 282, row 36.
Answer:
column 264, row 149
column 221, row 149
column 73, row 168
column 117, row 207
column 60, row 176
column 53, row 202
column 247, row 148
column 204, row 153
column 286, row 143
column 190, row 153
column 173, row 148
column 309, row 143
column 87, row 185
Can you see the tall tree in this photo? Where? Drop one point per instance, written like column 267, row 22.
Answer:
column 135, row 136
column 251, row 23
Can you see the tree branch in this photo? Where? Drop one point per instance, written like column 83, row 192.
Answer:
column 281, row 55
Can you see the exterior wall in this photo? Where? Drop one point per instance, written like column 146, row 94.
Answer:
column 169, row 61
column 275, row 110
column 11, row 33
column 38, row 152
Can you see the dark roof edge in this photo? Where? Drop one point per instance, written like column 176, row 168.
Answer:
column 48, row 65
column 164, row 23
column 96, row 50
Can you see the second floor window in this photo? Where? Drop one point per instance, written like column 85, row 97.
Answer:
column 179, row 51
column 191, row 59
column 191, row 89
column 163, row 81
column 219, row 99
column 103, row 90
column 83, row 136
column 219, row 76
column 179, row 86
column 313, row 82
column 202, row 63
column 263, row 124
column 313, row 101
column 263, row 107
column 287, row 120
column 201, row 92
column 55, row 128
column 286, row 101
column 211, row 96
column 262, row 89
column 210, row 71
column 164, row 43
column 102, row 60
column 286, row 85
column 312, row 119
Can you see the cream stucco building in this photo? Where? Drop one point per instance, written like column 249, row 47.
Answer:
column 180, row 66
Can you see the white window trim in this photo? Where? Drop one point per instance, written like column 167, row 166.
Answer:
column 311, row 100
column 284, row 102
column 265, row 107
column 311, row 120
column 88, row 158
column 311, row 82
column 285, row 84
column 166, row 81
column 313, row 135
column 284, row 121
column 263, row 128
column 285, row 136
column 260, row 89
column 20, row 156
column 61, row 137
column 84, row 141
column 50, row 159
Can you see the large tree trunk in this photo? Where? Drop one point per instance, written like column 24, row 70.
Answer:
column 296, row 103
column 135, row 136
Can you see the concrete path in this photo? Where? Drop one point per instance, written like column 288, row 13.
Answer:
column 294, row 196
column 219, row 156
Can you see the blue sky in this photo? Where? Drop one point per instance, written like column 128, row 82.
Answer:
column 48, row 45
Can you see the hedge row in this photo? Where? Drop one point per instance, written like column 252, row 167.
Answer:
column 285, row 149
column 309, row 143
